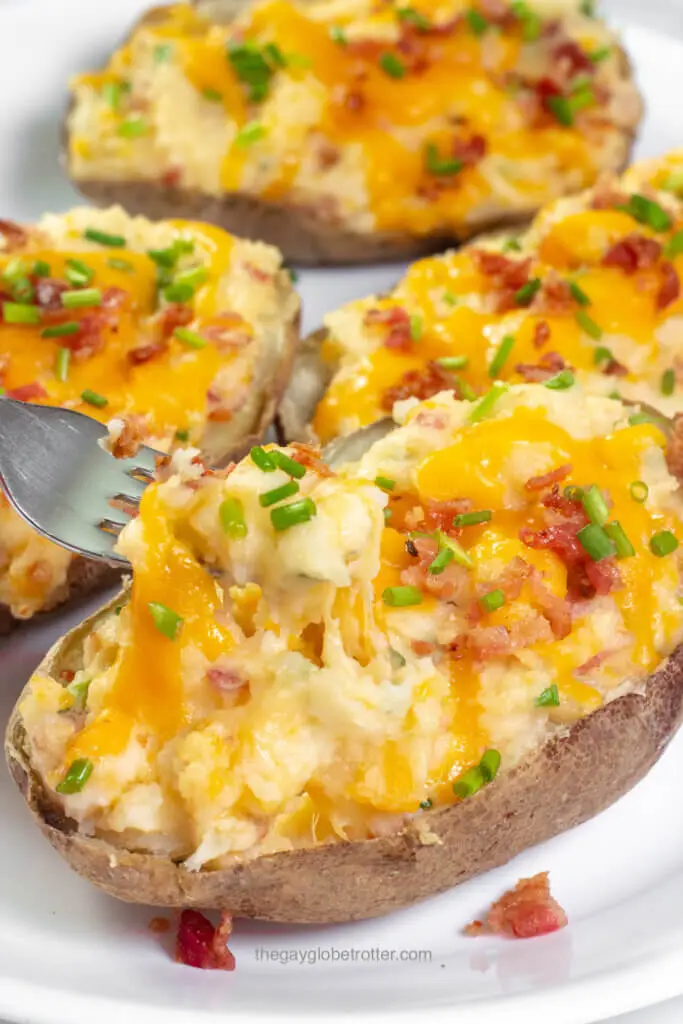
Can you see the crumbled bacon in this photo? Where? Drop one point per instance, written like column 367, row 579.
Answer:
column 420, row 384
column 438, row 515
column 49, row 293
column 497, row 12
column 28, row 392
column 311, row 458
column 555, row 476
column 132, row 436
column 572, row 60
column 541, row 333
column 144, row 353
column 507, row 276
column 555, row 610
column 397, row 320
column 159, row 925
column 199, row 944
column 674, row 448
column 327, row 155
column 172, row 177
column 525, row 912
column 613, row 368
column 114, row 298
column 596, row 661
column 452, row 585
column 554, row 297
column 498, row 641
column 354, row 100
column 174, row 315
column 257, row 273
column 633, row 253
column 469, row 151
column 226, row 680
column 670, row 289
column 548, row 365
column 15, row 237
column 40, row 572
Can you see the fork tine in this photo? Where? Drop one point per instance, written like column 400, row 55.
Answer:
column 144, row 462
column 110, row 526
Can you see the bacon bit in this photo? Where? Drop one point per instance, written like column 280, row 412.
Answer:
column 598, row 659
column 199, row 944
column 159, row 925
column 422, row 648
column 506, row 275
column 606, row 196
column 354, row 100
column 40, row 572
column 674, row 448
column 633, row 253
column 555, row 476
column 28, row 392
column 327, row 155
column 256, row 272
column 470, row 151
column 554, row 297
column 572, row 59
column 14, row 235
column 613, row 368
column 452, row 585
column 397, row 320
column 67, row 675
column 604, row 576
column 438, row 515
column 143, row 353
column 525, row 912
column 133, row 435
column 311, row 458
column 114, row 298
column 226, row 680
column 670, row 289
column 420, row 384
column 548, row 365
column 542, row 334
column 49, row 293
column 498, row 12
column 431, row 419
column 174, row 315
column 497, row 641
column 172, row 177
column 555, row 610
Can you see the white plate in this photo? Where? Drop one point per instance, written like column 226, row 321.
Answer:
column 68, row 953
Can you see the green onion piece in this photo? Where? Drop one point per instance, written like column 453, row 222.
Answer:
column 275, row 55
column 601, row 54
column 674, row 182
column 263, row 459
column 287, row 490
column 526, row 293
column 595, row 542
column 588, row 8
column 252, row 68
column 92, row 398
column 104, row 238
column 468, row 393
column 249, row 133
column 486, row 405
column 182, row 436
column 501, row 355
column 23, row 290
column 164, row 257
column 602, row 354
column 178, row 292
column 82, row 297
column 14, row 270
column 231, row 515
column 490, row 764
column 194, row 277
column 388, row 513
column 588, row 325
column 578, row 294
column 562, row 381
column 16, row 313
column 426, row 805
column 111, row 94
column 436, row 164
column 573, row 493
column 469, row 783
column 532, row 24
column 123, row 265
column 561, row 109
column 78, row 273
column 76, row 777
column 413, row 17
column 639, row 491
column 647, row 212
column 582, row 97
column 132, row 128
column 190, row 338
column 402, row 597
column 162, row 53
column 473, row 518
column 549, row 698
column 416, row 326
column 61, row 330
column 674, row 248
column 293, row 274
column 493, row 600
column 41, row 269
column 615, row 532
column 165, row 620
column 212, row 95
column 392, row 66
column 385, row 482
column 79, row 692
column 476, row 21
column 62, row 364
column 460, row 556
column 595, row 505
column 338, row 35
column 512, row 245
column 443, row 558
column 663, row 543
column 288, row 465
column 668, row 384
column 639, row 417
column 285, row 516
column 453, row 362
column 450, row 299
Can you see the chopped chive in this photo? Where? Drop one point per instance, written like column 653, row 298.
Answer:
column 182, row 435
column 385, row 482
column 165, row 620
column 469, row 783
column 123, row 265
column 78, row 273
column 79, row 692
column 194, row 277
column 178, row 292
column 588, row 325
column 402, row 597
column 493, row 600
column 450, row 299
column 595, row 505
column 82, row 297
column 578, row 294
column 532, row 25
column 638, row 418
column 426, row 805
column 472, row 518
column 674, row 182
column 285, row 516
column 190, row 338
column 413, row 17
column 561, row 109
column 573, row 493
column 41, row 269
column 132, row 128
column 562, row 381
column 391, row 65
column 17, row 313
column 595, row 542
column 674, row 248
column 525, row 295
column 337, row 35
column 663, row 543
column 639, row 491
column 416, row 326
column 501, row 355
column 486, row 405
column 588, row 8
column 263, row 459
column 476, row 21
column 602, row 354
column 162, row 53
column 288, row 465
column 439, row 563
column 104, row 238
column 231, row 515
column 490, row 764
column 76, row 777
column 668, row 384
column 453, row 362
column 582, row 97
column 436, row 164
column 111, row 93
column 22, row 290
column 601, row 54
column 468, row 394
column 549, row 698
column 615, row 532
column 249, row 133
column 61, row 330
column 92, row 398
column 293, row 274
column 212, row 95
column 512, row 245
column 388, row 513
column 460, row 556
column 15, row 270
column 62, row 364
column 287, row 490
column 647, row 212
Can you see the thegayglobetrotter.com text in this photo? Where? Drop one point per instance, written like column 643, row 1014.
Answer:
column 334, row 954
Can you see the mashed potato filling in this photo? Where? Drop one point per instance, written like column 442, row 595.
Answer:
column 310, row 656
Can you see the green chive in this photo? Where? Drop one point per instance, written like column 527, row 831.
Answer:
column 385, row 482
column 182, row 436
column 78, row 273
column 275, row 55
column 178, row 292
column 663, row 544
column 639, row 417
column 165, row 620
column 602, row 354
column 501, row 355
column 288, row 465
column 426, row 805
column 598, row 56
column 532, row 24
column 76, row 777
column 82, row 297
column 526, row 293
column 639, row 491
column 212, row 95
column 190, row 338
column 453, row 362
column 647, row 212
column 62, row 364
column 111, row 94
column 194, row 277
column 588, row 325
column 287, row 490
column 595, row 505
column 512, row 245
column 674, row 248
column 460, row 556
column 392, row 66
column 263, row 459
column 387, row 514
column 337, row 35
column 123, row 265
column 573, row 493
column 486, row 405
column 562, row 381
column 104, row 238
column 595, row 542
column 439, row 563
column 133, row 128
column 616, row 533
column 249, row 133
column 450, row 299
column 15, row 270
column 92, row 398
column 674, row 182
column 22, row 290
column 436, row 164
column 561, row 109
column 402, row 597
column 285, row 516
column 668, row 384
column 41, row 268
column 493, row 600
column 16, row 313
column 490, row 764
column 549, row 698
column 578, row 294
column 413, row 17
column 477, row 22
column 231, row 514
column 468, row 394
column 588, row 8
column 416, row 326
column 293, row 274
column 582, row 97
column 162, row 53
column 61, row 330
column 472, row 518
column 469, row 783
column 79, row 692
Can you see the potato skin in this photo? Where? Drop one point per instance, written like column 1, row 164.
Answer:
column 569, row 780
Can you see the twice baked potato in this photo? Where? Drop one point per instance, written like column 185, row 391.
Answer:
column 593, row 286
column 368, row 685
column 172, row 332
column 351, row 131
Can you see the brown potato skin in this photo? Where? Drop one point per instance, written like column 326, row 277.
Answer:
column 569, row 780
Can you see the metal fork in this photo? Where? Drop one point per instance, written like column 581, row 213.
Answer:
column 59, row 479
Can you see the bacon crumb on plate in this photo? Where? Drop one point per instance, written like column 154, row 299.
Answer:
column 199, row 944
column 525, row 912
